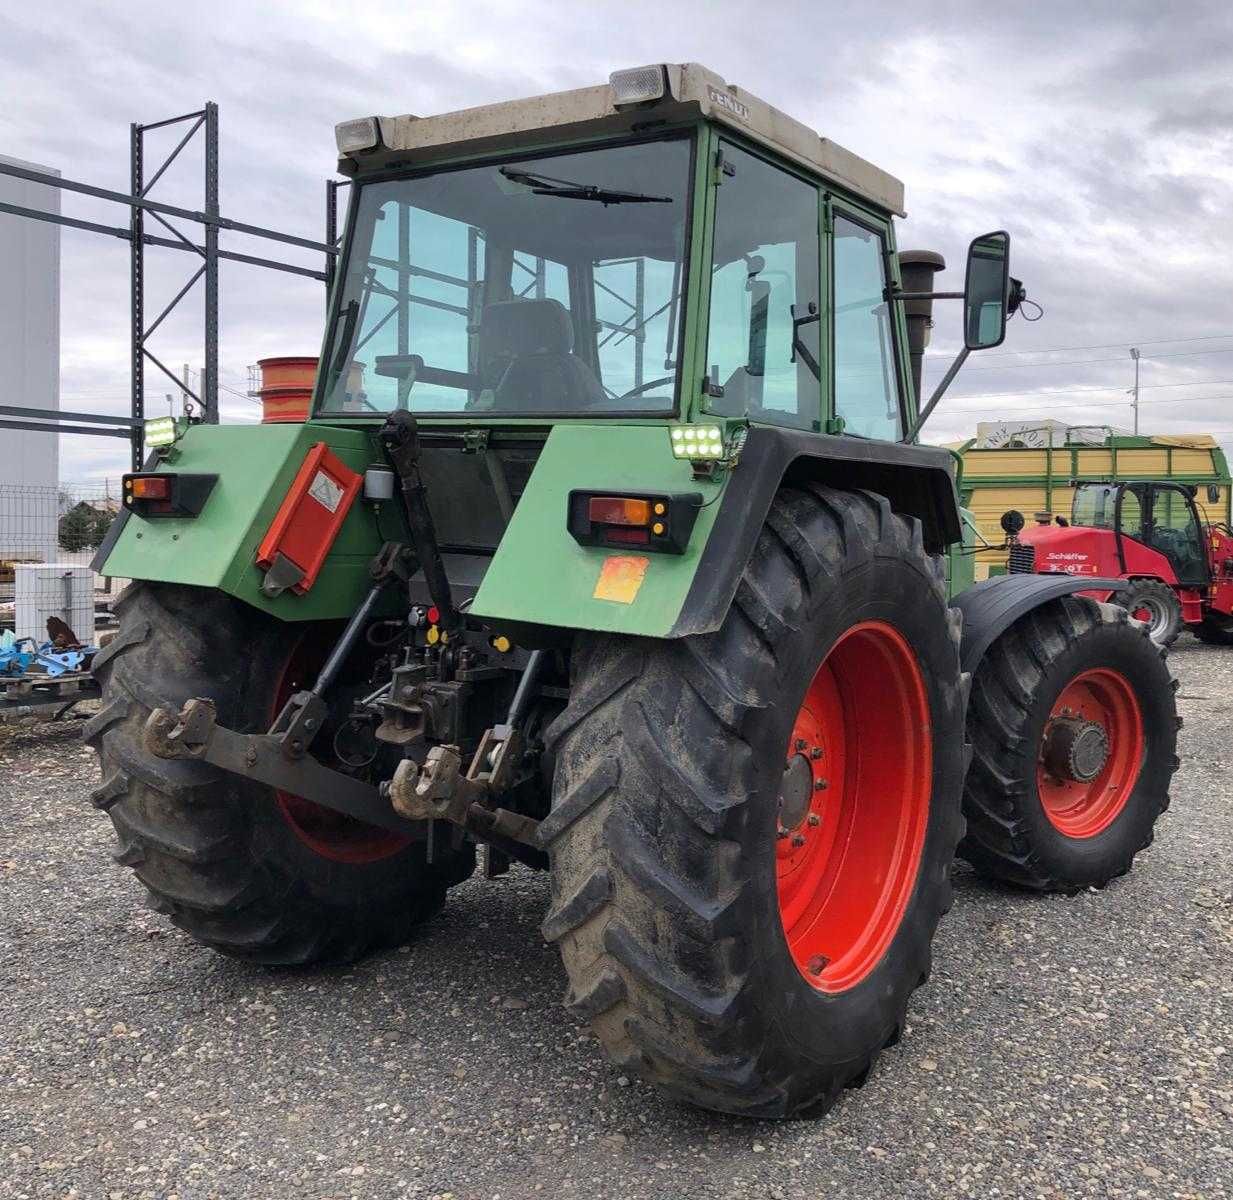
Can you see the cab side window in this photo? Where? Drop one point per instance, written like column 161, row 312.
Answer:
column 1133, row 511
column 866, row 376
column 764, row 343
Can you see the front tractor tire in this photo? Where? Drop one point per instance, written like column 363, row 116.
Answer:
column 752, row 831
column 246, row 870
column 1073, row 725
column 1157, row 605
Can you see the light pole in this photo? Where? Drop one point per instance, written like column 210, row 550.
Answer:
column 1134, row 353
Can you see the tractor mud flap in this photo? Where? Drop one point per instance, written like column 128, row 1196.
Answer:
column 993, row 606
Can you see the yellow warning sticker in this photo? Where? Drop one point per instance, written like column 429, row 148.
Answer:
column 620, row 578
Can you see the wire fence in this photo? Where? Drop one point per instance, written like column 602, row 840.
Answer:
column 48, row 537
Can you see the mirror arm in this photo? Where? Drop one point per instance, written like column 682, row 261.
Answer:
column 925, row 296
column 938, row 392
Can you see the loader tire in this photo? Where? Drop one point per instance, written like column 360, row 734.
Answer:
column 1156, row 604
column 714, row 953
column 1073, row 725
column 244, row 869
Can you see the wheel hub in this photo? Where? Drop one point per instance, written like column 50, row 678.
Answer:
column 1075, row 749
column 796, row 792
column 1091, row 752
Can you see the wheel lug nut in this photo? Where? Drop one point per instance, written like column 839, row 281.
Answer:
column 816, row 752
column 798, row 839
column 814, row 819
column 781, row 832
column 820, row 785
column 801, row 743
column 817, row 964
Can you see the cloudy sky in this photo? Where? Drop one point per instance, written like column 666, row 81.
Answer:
column 1099, row 134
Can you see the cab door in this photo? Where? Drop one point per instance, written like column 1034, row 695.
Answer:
column 1175, row 530
column 1132, row 518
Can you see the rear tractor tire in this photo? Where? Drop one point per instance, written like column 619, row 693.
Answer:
column 1073, row 725
column 1157, row 605
column 252, row 872
column 752, row 830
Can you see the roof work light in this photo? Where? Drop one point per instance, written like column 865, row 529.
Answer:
column 637, row 85
column 354, row 137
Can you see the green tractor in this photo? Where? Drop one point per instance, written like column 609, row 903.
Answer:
column 609, row 549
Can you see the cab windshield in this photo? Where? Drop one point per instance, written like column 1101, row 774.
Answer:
column 537, row 286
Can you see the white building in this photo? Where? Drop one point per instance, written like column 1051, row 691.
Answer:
column 29, row 365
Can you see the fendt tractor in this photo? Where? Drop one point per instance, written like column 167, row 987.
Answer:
column 1176, row 569
column 610, row 549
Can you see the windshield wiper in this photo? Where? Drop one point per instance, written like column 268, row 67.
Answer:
column 564, row 189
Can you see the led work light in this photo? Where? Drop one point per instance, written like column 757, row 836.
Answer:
column 697, row 442
column 160, row 431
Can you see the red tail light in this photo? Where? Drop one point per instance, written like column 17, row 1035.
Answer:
column 151, row 487
column 619, row 510
column 658, row 522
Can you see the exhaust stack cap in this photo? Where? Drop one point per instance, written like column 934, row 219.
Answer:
column 917, row 269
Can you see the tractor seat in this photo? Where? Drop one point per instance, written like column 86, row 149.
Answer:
column 526, row 360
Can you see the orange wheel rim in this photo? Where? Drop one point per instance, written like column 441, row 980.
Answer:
column 854, row 806
column 1091, row 753
column 324, row 831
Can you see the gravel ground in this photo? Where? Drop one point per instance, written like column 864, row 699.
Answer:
column 1064, row 1048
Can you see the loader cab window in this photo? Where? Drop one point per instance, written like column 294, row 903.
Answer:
column 764, row 345
column 1094, row 506
column 1175, row 531
column 866, row 375
column 1133, row 510
column 528, row 286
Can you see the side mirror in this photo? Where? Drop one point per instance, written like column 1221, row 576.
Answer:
column 986, row 290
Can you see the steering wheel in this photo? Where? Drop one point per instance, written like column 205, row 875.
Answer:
column 646, row 387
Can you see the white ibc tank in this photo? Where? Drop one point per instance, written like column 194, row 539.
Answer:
column 62, row 590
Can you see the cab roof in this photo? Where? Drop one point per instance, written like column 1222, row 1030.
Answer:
column 688, row 92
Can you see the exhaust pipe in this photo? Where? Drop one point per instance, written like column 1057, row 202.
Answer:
column 917, row 269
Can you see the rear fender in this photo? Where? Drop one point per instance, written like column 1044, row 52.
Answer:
column 217, row 549
column 993, row 606
column 541, row 579
column 918, row 481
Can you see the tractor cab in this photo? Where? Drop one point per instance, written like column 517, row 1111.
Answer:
column 1154, row 516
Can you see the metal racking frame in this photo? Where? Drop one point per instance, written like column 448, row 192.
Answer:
column 209, row 252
